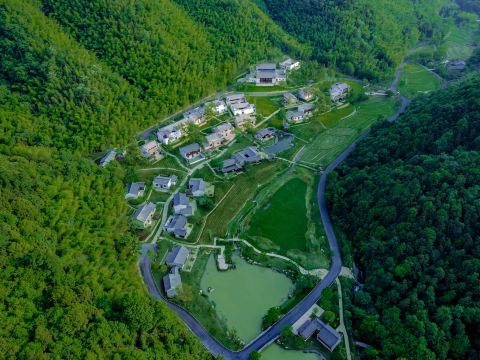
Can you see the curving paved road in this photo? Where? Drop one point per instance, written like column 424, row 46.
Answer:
column 272, row 333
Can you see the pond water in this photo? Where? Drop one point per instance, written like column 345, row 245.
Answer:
column 276, row 352
column 242, row 296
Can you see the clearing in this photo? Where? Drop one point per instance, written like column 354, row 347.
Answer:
column 417, row 79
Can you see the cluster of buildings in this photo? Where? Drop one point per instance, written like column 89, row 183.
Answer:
column 270, row 74
column 175, row 261
column 184, row 206
column 249, row 155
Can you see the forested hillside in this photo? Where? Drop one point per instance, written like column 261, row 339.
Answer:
column 408, row 201
column 170, row 57
column 70, row 285
column 363, row 38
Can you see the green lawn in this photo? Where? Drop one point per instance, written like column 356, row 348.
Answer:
column 250, row 87
column 330, row 143
column 283, row 218
column 459, row 42
column 265, row 105
column 416, row 79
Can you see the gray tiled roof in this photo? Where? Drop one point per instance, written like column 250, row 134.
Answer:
column 135, row 188
column 175, row 222
column 267, row 67
column 172, row 281
column 196, row 184
column 180, row 199
column 328, row 335
column 144, row 211
column 189, row 148
column 178, row 256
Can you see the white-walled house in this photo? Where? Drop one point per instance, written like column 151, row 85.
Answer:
column 135, row 190
column 196, row 116
column 225, row 130
column 220, row 107
column 339, row 91
column 290, row 64
column 150, row 148
column 244, row 108
column 164, row 183
column 143, row 216
column 169, row 134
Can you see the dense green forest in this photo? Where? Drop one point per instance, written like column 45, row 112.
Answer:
column 363, row 38
column 408, row 200
column 70, row 285
column 169, row 56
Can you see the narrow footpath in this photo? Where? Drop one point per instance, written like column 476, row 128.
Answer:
column 269, row 335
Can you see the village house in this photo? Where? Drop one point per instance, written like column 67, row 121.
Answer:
column 169, row 134
column 191, row 153
column 326, row 335
column 196, row 116
column 295, row 116
column 268, row 74
column 289, row 99
column 172, row 282
column 107, row 158
column 177, row 225
column 290, row 64
column 303, row 111
column 305, row 95
column 458, row 65
column 265, row 134
column 235, row 99
column 230, row 165
column 226, row 131
column 248, row 155
column 135, row 190
column 243, row 108
column 182, row 205
column 306, row 109
column 164, row 183
column 339, row 91
column 143, row 216
column 197, row 187
column 219, row 107
column 212, row 141
column 243, row 121
column 177, row 257
column 151, row 149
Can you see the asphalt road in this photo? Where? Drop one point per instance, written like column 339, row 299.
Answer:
column 272, row 333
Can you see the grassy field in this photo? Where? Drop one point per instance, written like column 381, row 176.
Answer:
column 250, row 87
column 459, row 42
column 245, row 186
column 265, row 105
column 330, row 143
column 285, row 228
column 331, row 118
column 416, row 79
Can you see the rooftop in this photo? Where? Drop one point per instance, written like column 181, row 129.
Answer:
column 179, row 254
column 180, row 199
column 144, row 211
column 196, row 184
column 135, row 188
column 189, row 148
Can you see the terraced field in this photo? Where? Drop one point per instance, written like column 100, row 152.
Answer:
column 459, row 42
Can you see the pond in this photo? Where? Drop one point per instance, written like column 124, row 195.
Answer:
column 276, row 352
column 243, row 296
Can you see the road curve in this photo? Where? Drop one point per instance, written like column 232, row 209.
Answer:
column 272, row 333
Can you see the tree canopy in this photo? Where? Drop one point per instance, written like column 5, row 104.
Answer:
column 408, row 200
